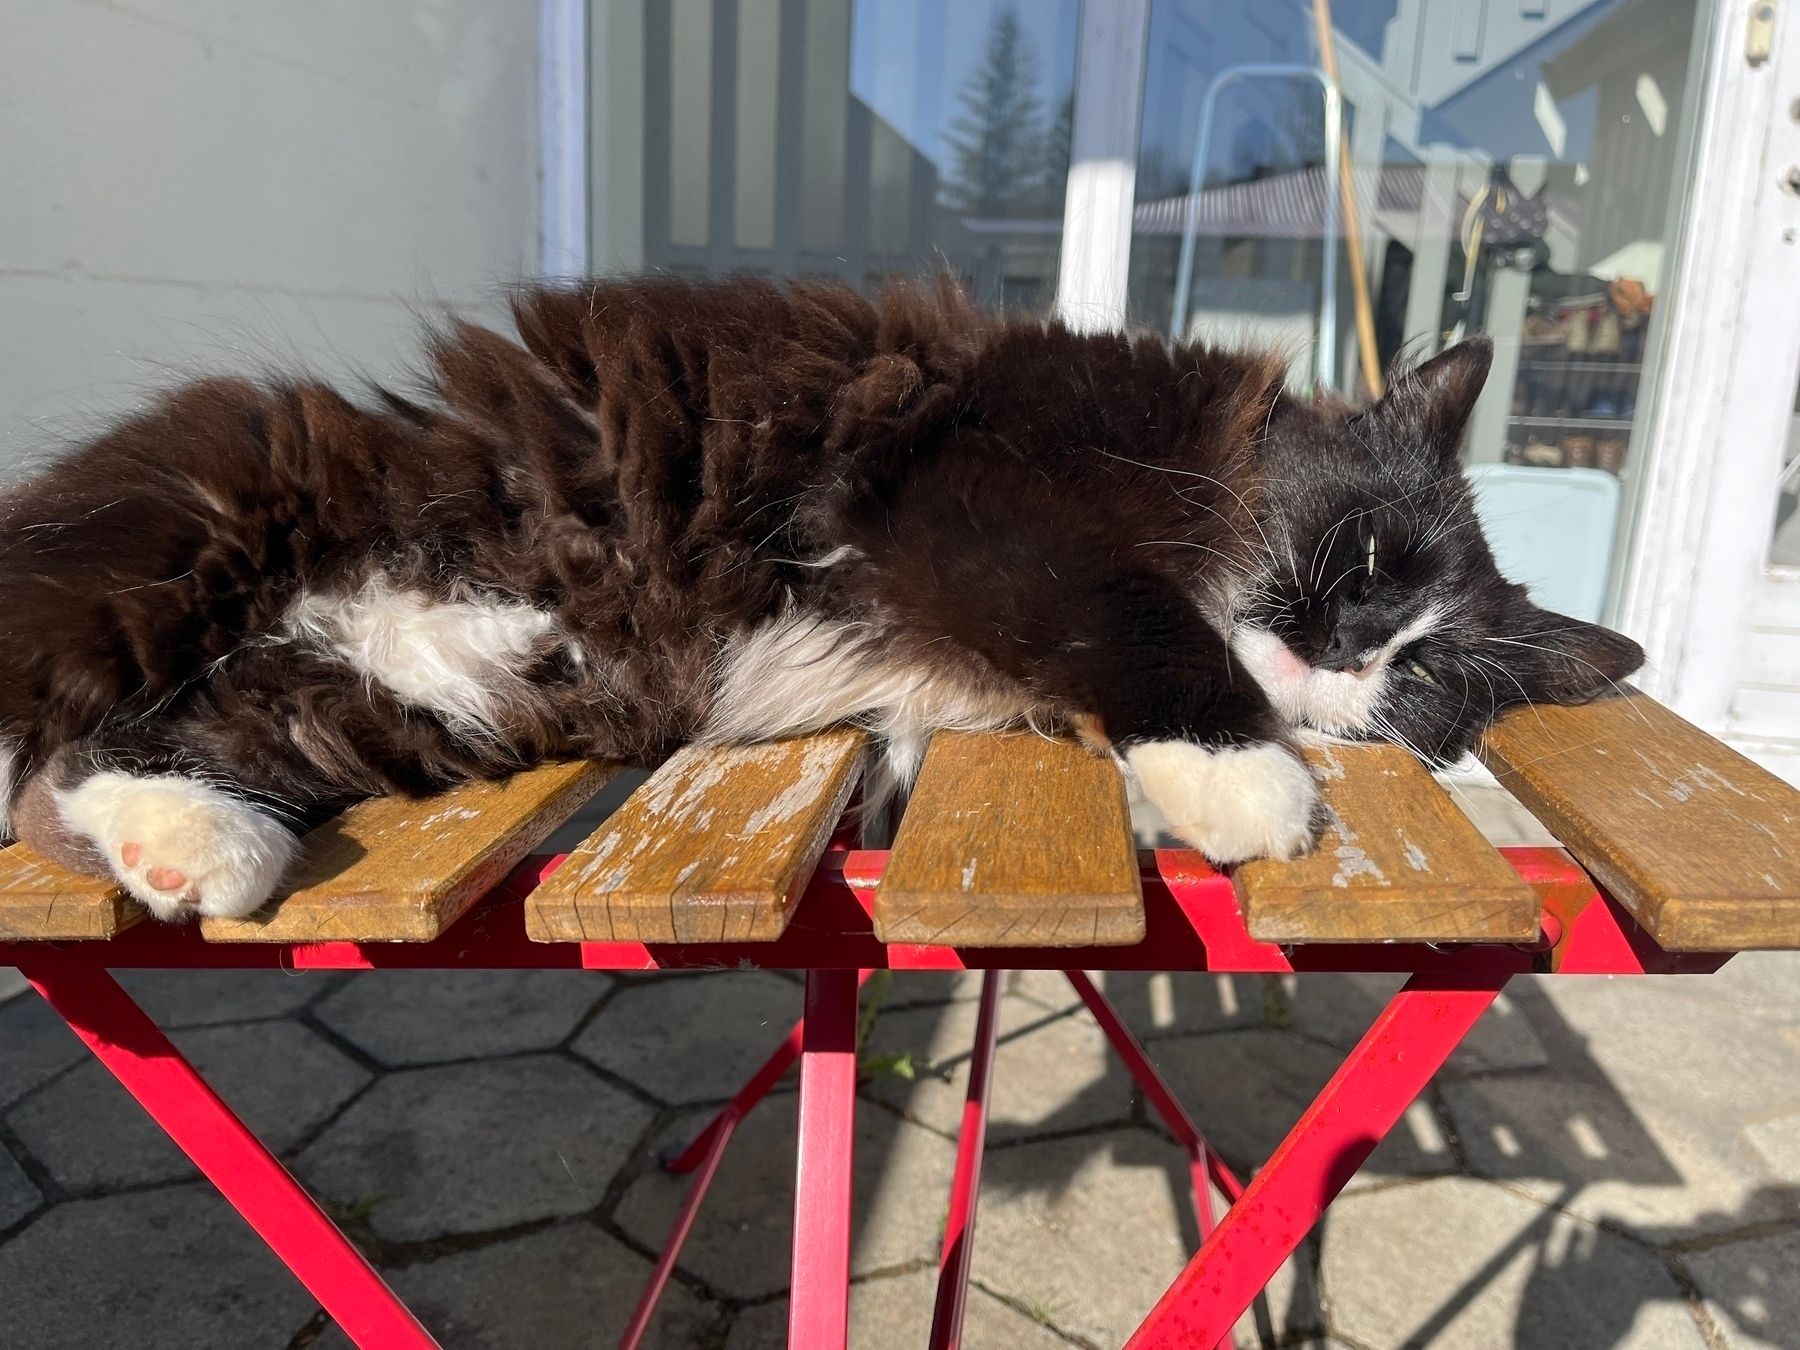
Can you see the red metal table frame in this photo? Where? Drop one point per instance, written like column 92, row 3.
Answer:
column 1193, row 923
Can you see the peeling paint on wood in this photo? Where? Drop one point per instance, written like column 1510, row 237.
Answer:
column 1012, row 840
column 1399, row 862
column 717, row 846
column 393, row 869
column 39, row 900
column 1699, row 843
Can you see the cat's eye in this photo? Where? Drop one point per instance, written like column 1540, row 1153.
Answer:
column 1370, row 556
column 1419, row 672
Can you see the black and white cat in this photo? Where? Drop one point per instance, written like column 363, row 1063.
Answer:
column 678, row 511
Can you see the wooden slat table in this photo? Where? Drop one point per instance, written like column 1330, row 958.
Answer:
column 40, row 900
column 716, row 847
column 387, row 870
column 1699, row 843
column 1014, row 852
column 1399, row 862
column 1012, row 840
column 1015, row 841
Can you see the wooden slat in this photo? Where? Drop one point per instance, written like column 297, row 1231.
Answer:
column 393, row 869
column 716, row 847
column 1700, row 844
column 1398, row 863
column 1013, row 840
column 40, row 900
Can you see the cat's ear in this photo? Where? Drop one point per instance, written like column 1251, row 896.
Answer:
column 1557, row 659
column 1428, row 406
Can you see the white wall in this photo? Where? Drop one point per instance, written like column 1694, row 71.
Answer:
column 202, row 184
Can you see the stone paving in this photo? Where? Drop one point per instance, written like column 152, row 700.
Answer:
column 1606, row 1163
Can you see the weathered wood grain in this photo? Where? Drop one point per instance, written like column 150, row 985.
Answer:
column 1012, row 840
column 1700, row 844
column 393, row 869
column 716, row 847
column 40, row 900
column 1398, row 863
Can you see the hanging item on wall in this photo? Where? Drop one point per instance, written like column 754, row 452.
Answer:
column 1501, row 227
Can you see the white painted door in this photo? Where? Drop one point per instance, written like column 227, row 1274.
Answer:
column 1714, row 597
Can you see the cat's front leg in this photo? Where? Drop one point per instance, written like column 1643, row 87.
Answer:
column 1199, row 736
column 1232, row 802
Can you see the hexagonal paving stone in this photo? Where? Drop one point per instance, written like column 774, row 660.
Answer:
column 192, row 998
column 740, row 1244
column 1178, row 1003
column 38, row 1046
column 1245, row 1090
column 1569, row 1137
column 469, row 1147
column 18, row 1195
column 566, row 1286
column 429, row 1016
column 1052, row 1072
column 1752, row 1289
column 1089, row 1232
column 1777, row 1142
column 1340, row 1008
column 1455, row 1262
column 158, row 1269
column 1641, row 1118
column 910, row 988
column 692, row 1038
column 1049, row 989
column 896, row 1312
column 280, row 1078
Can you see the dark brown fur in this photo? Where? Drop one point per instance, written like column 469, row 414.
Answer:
column 654, row 461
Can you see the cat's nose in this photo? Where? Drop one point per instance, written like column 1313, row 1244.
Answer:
column 1343, row 656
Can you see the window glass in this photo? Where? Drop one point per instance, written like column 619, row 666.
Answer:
column 1352, row 181
column 1509, row 169
column 853, row 138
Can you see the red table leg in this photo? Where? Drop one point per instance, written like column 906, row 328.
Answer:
column 965, row 1187
column 1384, row 1073
column 1203, row 1162
column 704, row 1151
column 819, row 1299
column 141, row 1057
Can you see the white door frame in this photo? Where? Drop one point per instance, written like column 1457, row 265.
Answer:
column 562, row 137
column 1103, row 148
column 1723, row 388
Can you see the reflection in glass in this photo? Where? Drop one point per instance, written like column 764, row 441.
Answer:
column 1514, row 168
column 853, row 138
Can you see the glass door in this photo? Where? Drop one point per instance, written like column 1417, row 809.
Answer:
column 852, row 138
column 1604, row 187
column 1359, row 183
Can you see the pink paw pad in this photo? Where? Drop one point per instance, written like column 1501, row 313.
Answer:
column 166, row 879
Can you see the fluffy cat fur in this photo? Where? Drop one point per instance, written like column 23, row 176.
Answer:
column 672, row 511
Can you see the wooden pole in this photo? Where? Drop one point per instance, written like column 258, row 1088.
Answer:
column 1359, row 276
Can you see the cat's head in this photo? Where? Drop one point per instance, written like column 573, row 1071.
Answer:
column 1382, row 614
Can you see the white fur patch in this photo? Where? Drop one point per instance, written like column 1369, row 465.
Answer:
column 230, row 854
column 1337, row 701
column 457, row 658
column 1256, row 801
column 9, row 771
column 795, row 674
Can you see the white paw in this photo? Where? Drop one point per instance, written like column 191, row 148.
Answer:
column 180, row 846
column 1256, row 801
